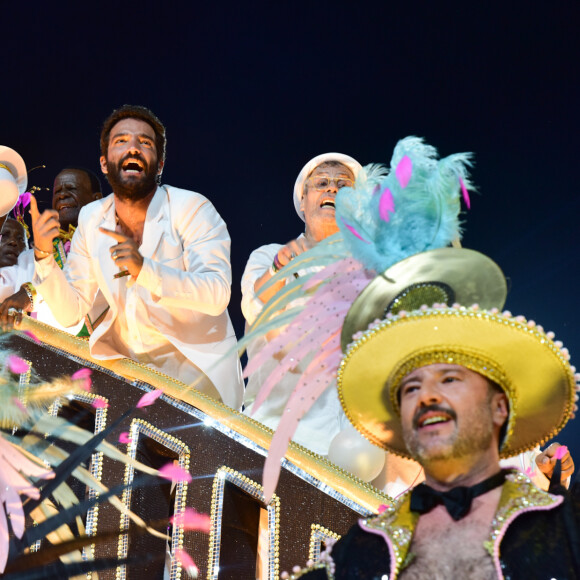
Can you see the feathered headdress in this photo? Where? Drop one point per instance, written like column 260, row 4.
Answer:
column 386, row 217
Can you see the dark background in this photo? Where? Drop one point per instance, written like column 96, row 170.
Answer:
column 250, row 91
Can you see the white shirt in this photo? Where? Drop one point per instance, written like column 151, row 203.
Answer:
column 12, row 277
column 173, row 317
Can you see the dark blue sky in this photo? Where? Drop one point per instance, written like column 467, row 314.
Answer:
column 250, row 91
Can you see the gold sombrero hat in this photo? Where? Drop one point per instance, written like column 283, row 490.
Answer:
column 518, row 355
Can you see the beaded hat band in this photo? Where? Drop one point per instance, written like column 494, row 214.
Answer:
column 518, row 355
column 444, row 275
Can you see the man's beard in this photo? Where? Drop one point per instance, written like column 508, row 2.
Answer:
column 132, row 187
column 476, row 435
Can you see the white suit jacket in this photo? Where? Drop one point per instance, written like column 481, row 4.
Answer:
column 183, row 289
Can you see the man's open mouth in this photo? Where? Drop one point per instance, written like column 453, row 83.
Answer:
column 433, row 418
column 328, row 202
column 133, row 165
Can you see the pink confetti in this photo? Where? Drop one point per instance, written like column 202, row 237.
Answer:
column 386, row 204
column 81, row 374
column 17, row 365
column 32, row 336
column 354, row 232
column 383, row 508
column 192, row 520
column 85, row 376
column 124, row 438
column 19, row 404
column 560, row 452
column 530, row 472
column 186, row 562
column 174, row 473
column 465, row 194
column 404, row 170
column 100, row 403
column 149, row 398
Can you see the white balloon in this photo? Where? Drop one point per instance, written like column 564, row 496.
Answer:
column 351, row 451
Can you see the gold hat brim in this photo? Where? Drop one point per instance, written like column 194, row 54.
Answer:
column 472, row 277
column 532, row 370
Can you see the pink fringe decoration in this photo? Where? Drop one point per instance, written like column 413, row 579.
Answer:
column 322, row 318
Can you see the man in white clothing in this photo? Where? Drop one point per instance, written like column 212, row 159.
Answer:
column 160, row 257
column 314, row 192
column 74, row 187
column 16, row 261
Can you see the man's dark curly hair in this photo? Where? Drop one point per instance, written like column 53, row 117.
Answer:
column 134, row 112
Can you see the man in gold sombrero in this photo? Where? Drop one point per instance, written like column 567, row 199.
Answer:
column 457, row 389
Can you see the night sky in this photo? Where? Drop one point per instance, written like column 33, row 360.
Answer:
column 251, row 91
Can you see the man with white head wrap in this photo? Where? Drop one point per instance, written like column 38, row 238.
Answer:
column 314, row 192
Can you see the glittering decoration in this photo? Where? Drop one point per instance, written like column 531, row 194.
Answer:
column 255, row 490
column 96, row 465
column 142, row 428
column 319, row 535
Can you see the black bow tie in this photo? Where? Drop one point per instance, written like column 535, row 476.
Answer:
column 457, row 500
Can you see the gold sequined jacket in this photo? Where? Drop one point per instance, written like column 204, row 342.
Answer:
column 530, row 537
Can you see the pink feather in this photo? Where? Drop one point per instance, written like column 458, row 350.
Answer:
column 32, row 336
column 14, row 457
column 323, row 339
column 83, row 375
column 191, row 520
column 403, row 171
column 149, row 398
column 14, row 508
column 174, row 473
column 4, row 540
column 186, row 561
column 17, row 365
column 340, row 292
column 124, row 438
column 99, row 403
column 354, row 232
column 19, row 404
column 386, row 204
column 465, row 193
